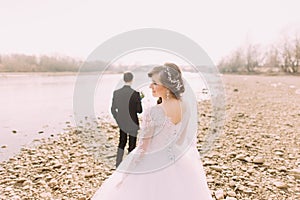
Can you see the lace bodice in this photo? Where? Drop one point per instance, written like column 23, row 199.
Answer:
column 160, row 143
column 162, row 131
column 158, row 127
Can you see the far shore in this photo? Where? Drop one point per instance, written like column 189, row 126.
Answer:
column 72, row 73
column 68, row 73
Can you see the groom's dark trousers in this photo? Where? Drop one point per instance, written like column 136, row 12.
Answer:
column 126, row 104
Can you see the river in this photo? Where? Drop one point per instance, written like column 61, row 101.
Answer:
column 40, row 105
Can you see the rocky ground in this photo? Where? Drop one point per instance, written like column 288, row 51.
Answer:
column 257, row 156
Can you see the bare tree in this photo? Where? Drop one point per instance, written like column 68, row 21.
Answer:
column 290, row 55
column 297, row 55
column 286, row 55
column 272, row 57
column 233, row 62
column 242, row 59
column 252, row 57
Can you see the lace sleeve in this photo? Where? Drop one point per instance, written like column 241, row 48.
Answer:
column 146, row 132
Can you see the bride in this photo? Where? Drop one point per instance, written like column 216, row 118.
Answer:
column 166, row 163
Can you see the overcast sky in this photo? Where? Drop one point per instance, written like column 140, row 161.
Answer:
column 76, row 27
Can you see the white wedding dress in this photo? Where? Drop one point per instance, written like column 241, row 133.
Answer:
column 167, row 169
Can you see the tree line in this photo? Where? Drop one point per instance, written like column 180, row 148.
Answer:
column 251, row 58
column 44, row 63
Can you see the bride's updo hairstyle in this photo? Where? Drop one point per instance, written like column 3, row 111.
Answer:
column 170, row 76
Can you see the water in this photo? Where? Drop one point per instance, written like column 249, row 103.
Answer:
column 36, row 106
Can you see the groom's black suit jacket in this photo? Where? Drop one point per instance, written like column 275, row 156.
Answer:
column 126, row 104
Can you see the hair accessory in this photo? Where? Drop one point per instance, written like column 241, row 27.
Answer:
column 173, row 81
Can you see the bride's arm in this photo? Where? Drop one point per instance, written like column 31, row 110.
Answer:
column 145, row 137
column 146, row 134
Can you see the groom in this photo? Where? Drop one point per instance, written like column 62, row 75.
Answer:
column 126, row 103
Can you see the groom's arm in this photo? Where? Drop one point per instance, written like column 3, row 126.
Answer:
column 114, row 106
column 139, row 108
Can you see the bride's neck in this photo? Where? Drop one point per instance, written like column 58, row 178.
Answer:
column 169, row 101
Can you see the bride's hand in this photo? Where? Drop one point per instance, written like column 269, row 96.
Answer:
column 119, row 184
column 122, row 180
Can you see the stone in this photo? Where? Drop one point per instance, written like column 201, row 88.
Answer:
column 232, row 183
column 216, row 168
column 248, row 159
column 248, row 191
column 16, row 198
column 69, row 176
column 209, row 162
column 219, row 194
column 282, row 169
column 20, row 181
column 52, row 183
column 280, row 185
column 230, row 198
column 279, row 153
column 45, row 195
column 89, row 175
column 210, row 180
column 295, row 173
column 241, row 157
column 26, row 187
column 231, row 193
column 251, row 184
column 258, row 160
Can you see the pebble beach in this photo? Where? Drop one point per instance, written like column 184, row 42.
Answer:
column 257, row 156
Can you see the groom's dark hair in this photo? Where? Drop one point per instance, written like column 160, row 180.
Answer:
column 128, row 76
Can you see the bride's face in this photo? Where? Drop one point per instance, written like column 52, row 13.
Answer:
column 158, row 90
